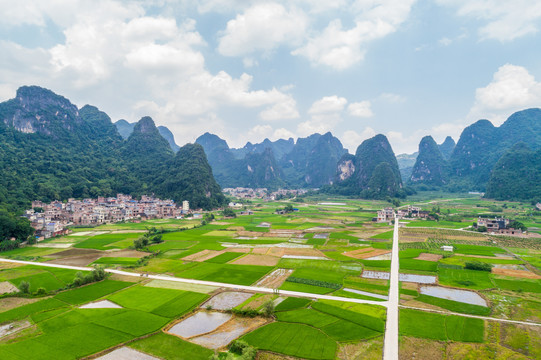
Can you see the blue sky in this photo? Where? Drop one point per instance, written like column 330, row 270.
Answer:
column 247, row 70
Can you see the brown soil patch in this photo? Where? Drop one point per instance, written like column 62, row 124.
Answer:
column 260, row 251
column 81, row 260
column 125, row 253
column 303, row 252
column 77, row 252
column 365, row 350
column 275, row 279
column 7, row 265
column 7, row 287
column 251, row 259
column 419, row 304
column 366, row 253
column 266, row 355
column 258, row 302
column 428, row 257
column 236, row 228
column 125, row 278
column 413, row 348
column 203, row 255
column 516, row 273
column 276, row 251
column 409, row 286
column 238, row 250
column 13, row 302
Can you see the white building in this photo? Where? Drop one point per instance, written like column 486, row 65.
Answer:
column 185, row 205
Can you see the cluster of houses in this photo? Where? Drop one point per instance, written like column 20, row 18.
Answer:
column 52, row 219
column 262, row 193
column 497, row 226
column 388, row 214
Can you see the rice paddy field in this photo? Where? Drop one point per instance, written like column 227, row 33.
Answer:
column 319, row 249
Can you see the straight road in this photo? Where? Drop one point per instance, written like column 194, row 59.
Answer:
column 390, row 344
column 211, row 283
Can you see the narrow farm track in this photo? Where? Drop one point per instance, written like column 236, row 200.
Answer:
column 473, row 316
column 210, row 283
column 390, row 344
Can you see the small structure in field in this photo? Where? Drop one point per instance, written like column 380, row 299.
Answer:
column 447, row 248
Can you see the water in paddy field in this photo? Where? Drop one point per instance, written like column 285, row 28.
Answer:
column 199, row 323
column 382, row 275
column 227, row 300
column 465, row 296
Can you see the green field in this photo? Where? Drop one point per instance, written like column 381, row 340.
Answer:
column 440, row 327
column 293, row 339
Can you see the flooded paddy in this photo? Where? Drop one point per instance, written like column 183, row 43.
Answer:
column 200, row 323
column 228, row 332
column 126, row 353
column 382, row 275
column 227, row 300
column 103, row 304
column 465, row 296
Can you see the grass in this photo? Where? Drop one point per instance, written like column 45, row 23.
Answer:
column 388, row 235
column 471, row 279
column 292, row 303
column 33, row 308
column 170, row 347
column 532, row 286
column 343, row 330
column 125, row 261
column 224, row 258
column 363, row 319
column 307, row 316
column 418, row 265
column 455, row 306
column 180, row 305
column 305, row 288
column 101, row 242
column 133, row 322
column 144, row 298
column 293, row 339
column 91, row 292
column 440, row 327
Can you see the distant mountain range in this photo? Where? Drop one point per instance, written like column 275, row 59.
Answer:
column 308, row 162
column 50, row 149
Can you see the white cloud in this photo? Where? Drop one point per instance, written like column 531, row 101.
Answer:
column 361, row 109
column 259, row 133
column 505, row 20
column 283, row 110
column 328, row 104
column 352, row 139
column 512, row 88
column 263, row 27
column 341, row 48
column 282, row 133
column 392, row 98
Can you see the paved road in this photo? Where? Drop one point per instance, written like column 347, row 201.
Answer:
column 211, row 283
column 390, row 345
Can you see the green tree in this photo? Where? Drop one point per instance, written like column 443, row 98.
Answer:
column 24, row 286
column 228, row 212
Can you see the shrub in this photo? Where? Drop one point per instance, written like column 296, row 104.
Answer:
column 268, row 308
column 477, row 265
column 24, row 286
column 41, row 291
column 313, row 282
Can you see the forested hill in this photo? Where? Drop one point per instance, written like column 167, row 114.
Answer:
column 371, row 173
column 308, row 162
column 51, row 150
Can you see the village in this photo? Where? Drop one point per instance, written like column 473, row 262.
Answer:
column 263, row 193
column 52, row 219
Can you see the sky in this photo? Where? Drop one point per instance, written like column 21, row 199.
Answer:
column 249, row 70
